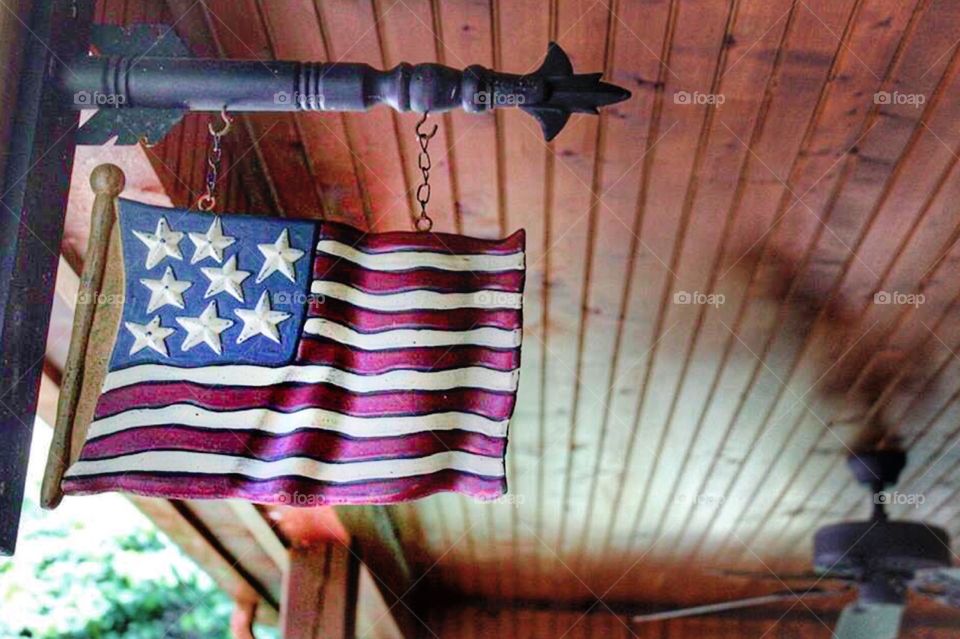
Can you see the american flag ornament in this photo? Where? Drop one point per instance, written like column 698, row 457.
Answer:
column 301, row 362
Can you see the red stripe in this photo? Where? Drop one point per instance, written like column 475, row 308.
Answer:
column 406, row 241
column 321, row 445
column 290, row 398
column 290, row 491
column 336, row 269
column 367, row 321
column 322, row 351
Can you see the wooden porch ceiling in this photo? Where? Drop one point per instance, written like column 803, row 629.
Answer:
column 709, row 265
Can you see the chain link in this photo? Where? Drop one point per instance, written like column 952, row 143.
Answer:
column 208, row 200
column 424, row 223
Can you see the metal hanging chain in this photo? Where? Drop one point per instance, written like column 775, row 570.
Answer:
column 424, row 223
column 208, row 200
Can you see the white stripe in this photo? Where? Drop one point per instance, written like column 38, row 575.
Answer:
column 406, row 260
column 214, row 464
column 412, row 338
column 253, row 376
column 417, row 299
column 278, row 423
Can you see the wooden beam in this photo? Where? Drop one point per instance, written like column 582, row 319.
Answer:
column 320, row 593
column 241, row 621
column 378, row 543
column 262, row 532
column 375, row 619
column 178, row 523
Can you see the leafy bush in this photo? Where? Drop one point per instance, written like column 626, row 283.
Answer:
column 97, row 568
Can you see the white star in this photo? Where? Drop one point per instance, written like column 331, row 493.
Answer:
column 206, row 328
column 211, row 243
column 150, row 335
column 163, row 243
column 166, row 290
column 260, row 321
column 279, row 257
column 226, row 279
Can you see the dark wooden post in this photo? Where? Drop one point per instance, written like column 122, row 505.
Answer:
column 32, row 209
column 320, row 593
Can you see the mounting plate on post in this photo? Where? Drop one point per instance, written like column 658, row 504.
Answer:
column 128, row 125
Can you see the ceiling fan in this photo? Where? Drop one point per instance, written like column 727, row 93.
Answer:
column 881, row 558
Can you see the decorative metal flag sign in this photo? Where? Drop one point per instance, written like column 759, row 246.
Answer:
column 295, row 361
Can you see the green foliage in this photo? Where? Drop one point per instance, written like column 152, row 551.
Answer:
column 96, row 568
column 135, row 586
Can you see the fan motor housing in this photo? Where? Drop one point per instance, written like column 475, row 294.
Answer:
column 877, row 467
column 860, row 549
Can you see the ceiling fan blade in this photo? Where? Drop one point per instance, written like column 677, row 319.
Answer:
column 787, row 576
column 723, row 606
column 940, row 584
column 869, row 621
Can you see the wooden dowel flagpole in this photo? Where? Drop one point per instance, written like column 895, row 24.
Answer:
column 107, row 181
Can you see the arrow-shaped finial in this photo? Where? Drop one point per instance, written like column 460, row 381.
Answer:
column 566, row 92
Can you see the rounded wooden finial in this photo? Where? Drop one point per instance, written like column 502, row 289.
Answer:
column 107, row 179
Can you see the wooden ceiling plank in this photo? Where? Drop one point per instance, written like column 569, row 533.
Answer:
column 465, row 31
column 674, row 159
column 294, row 34
column 697, row 66
column 523, row 29
column 796, row 103
column 696, row 332
column 666, row 360
column 350, row 32
column 696, row 268
column 630, row 133
column 658, row 30
column 836, row 133
column 755, row 334
column 808, row 365
column 532, row 535
column 576, row 161
column 604, row 271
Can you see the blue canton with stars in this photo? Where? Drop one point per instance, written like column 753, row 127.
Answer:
column 269, row 250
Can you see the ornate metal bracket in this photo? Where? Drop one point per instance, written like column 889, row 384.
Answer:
column 147, row 94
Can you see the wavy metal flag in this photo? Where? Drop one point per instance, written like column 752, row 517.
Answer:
column 302, row 362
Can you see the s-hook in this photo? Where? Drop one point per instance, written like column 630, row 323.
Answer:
column 208, row 200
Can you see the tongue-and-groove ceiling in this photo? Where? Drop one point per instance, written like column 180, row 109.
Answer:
column 733, row 277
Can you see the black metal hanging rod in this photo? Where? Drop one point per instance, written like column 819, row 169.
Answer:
column 174, row 84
